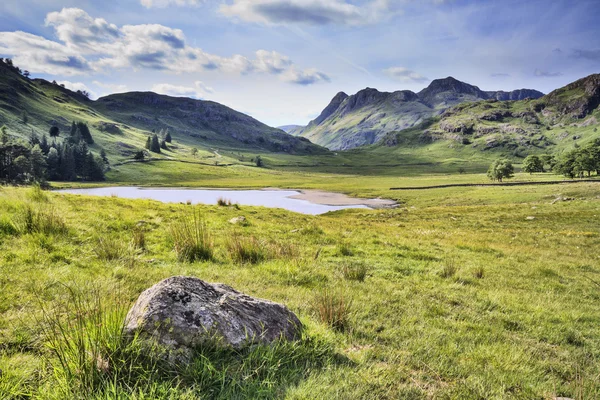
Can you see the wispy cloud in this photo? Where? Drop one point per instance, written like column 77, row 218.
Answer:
column 311, row 12
column 405, row 75
column 593, row 55
column 167, row 3
column 198, row 91
column 500, row 75
column 546, row 74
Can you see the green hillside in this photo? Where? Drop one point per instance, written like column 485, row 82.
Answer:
column 121, row 123
column 563, row 120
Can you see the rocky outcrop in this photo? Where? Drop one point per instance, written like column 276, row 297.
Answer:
column 181, row 313
column 520, row 94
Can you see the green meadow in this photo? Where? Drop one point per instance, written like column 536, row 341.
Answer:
column 459, row 293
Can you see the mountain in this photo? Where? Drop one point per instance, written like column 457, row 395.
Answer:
column 563, row 119
column 367, row 116
column 290, row 128
column 120, row 123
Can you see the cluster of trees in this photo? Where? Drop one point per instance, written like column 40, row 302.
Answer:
column 158, row 141
column 580, row 162
column 577, row 163
column 38, row 161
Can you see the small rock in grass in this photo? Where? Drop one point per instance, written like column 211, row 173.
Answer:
column 530, row 218
column 238, row 220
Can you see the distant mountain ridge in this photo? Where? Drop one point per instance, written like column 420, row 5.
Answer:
column 365, row 117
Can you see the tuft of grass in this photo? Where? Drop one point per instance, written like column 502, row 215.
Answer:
column 333, row 309
column 247, row 250
column 479, row 272
column 354, row 271
column 85, row 346
column 109, row 248
column 36, row 194
column 345, row 249
column 223, row 202
column 192, row 240
column 449, row 269
column 30, row 220
column 286, row 250
column 138, row 239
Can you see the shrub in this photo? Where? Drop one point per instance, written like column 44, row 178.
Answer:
column 479, row 273
column 333, row 308
column 47, row 222
column 354, row 271
column 191, row 239
column 247, row 249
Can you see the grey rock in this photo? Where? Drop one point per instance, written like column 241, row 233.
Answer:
column 238, row 220
column 181, row 313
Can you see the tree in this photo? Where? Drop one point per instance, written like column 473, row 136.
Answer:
column 533, row 163
column 155, row 145
column 194, row 152
column 25, row 117
column 500, row 169
column 33, row 139
column 53, row 162
column 26, row 74
column 549, row 160
column 149, row 143
column 168, row 138
column 54, row 132
column 38, row 164
column 4, row 137
column 44, row 144
column 163, row 144
column 139, row 155
column 85, row 133
column 259, row 162
column 104, row 157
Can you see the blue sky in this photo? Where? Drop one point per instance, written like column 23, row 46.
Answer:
column 281, row 61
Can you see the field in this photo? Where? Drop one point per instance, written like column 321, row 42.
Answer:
column 462, row 293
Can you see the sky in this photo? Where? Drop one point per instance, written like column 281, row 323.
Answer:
column 282, row 61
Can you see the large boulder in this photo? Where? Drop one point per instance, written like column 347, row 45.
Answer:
column 181, row 313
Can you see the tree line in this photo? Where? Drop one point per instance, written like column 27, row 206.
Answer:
column 36, row 160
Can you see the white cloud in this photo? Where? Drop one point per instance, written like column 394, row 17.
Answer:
column 38, row 54
column 199, row 90
column 167, row 3
column 312, row 12
column 147, row 46
column 405, row 75
column 546, row 74
column 81, row 32
column 113, row 88
column 305, row 77
column 78, row 86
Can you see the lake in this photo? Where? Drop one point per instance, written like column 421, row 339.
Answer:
column 266, row 198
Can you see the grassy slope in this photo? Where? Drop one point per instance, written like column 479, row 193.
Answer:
column 527, row 329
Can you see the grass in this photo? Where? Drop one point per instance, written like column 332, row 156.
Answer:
column 191, row 238
column 354, row 271
column 247, row 250
column 333, row 308
column 517, row 318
